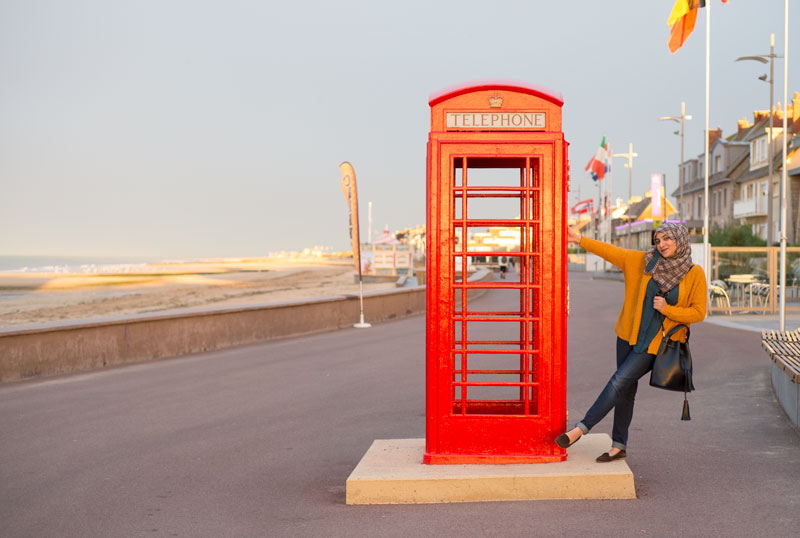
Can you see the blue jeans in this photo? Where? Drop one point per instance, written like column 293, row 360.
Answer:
column 619, row 393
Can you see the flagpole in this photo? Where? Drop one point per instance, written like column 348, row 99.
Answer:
column 361, row 323
column 599, row 211
column 607, row 222
column 706, row 253
column 610, row 199
column 609, row 194
column 783, row 164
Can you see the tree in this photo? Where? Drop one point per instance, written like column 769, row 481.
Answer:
column 735, row 236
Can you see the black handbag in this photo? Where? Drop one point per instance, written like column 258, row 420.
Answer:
column 672, row 369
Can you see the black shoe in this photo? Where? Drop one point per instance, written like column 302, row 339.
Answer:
column 605, row 458
column 563, row 441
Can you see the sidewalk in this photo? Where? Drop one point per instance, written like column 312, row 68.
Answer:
column 755, row 322
column 743, row 322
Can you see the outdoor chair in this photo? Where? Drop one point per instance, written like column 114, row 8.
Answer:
column 719, row 298
column 792, row 288
column 761, row 292
column 720, row 284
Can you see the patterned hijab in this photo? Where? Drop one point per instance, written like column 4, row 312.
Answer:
column 668, row 272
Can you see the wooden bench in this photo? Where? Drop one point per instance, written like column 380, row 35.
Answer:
column 784, row 350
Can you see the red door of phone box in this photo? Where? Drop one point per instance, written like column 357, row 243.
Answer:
column 496, row 192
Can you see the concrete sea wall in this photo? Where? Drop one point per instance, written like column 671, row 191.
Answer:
column 51, row 349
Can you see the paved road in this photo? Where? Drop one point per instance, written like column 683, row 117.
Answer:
column 258, row 442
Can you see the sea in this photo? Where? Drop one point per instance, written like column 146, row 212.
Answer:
column 71, row 264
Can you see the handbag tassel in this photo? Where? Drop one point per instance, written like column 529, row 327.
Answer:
column 685, row 415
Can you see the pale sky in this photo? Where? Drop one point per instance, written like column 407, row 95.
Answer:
column 187, row 128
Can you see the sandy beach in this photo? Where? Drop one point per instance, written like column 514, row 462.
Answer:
column 47, row 297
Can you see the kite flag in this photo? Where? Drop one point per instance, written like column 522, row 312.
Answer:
column 600, row 163
column 348, row 185
column 584, row 206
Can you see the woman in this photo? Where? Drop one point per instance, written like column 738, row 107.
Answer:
column 662, row 289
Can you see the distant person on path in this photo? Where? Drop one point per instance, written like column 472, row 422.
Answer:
column 662, row 289
column 503, row 266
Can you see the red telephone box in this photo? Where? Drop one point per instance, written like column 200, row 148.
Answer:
column 497, row 187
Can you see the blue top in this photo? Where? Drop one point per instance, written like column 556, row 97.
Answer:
column 652, row 318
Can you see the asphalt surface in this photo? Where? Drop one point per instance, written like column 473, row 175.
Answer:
column 258, row 442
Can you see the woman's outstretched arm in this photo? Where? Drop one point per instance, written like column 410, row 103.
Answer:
column 607, row 251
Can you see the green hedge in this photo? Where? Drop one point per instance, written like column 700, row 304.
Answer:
column 740, row 235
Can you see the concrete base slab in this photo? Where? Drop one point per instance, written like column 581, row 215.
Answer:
column 392, row 472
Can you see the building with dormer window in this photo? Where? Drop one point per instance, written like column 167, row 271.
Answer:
column 738, row 176
column 752, row 206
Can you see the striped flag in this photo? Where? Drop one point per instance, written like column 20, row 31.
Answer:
column 600, row 163
column 584, row 206
column 681, row 21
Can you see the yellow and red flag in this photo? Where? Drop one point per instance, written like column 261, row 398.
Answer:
column 348, row 185
column 681, row 22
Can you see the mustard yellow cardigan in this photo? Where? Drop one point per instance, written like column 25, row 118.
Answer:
column 692, row 294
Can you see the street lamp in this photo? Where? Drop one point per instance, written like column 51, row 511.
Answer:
column 629, row 165
column 680, row 120
column 767, row 58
